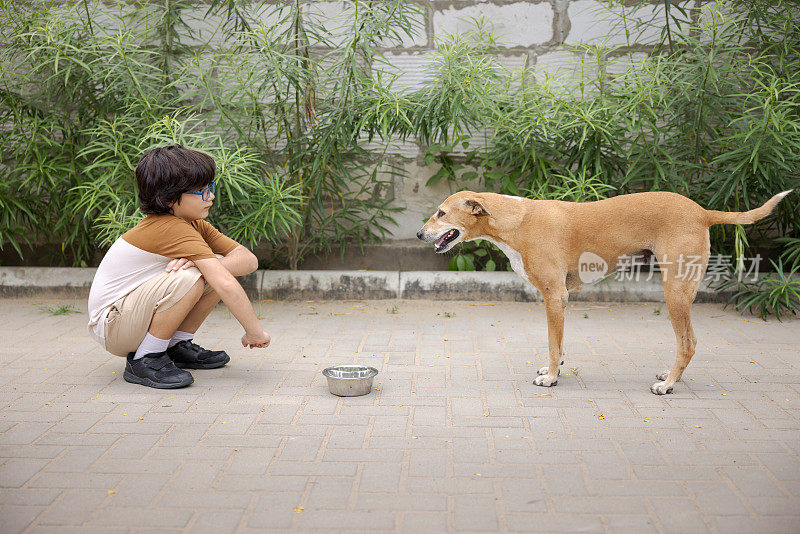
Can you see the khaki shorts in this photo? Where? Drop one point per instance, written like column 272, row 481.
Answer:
column 129, row 318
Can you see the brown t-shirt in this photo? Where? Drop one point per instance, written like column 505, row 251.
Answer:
column 142, row 253
column 173, row 237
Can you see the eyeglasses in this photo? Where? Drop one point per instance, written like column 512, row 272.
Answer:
column 206, row 193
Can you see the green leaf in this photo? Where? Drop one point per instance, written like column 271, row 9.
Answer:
column 441, row 173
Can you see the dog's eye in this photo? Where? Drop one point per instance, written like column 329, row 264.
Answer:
column 440, row 213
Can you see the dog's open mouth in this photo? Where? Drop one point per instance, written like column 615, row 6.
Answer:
column 446, row 239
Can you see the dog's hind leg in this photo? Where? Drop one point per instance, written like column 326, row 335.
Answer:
column 555, row 302
column 680, row 290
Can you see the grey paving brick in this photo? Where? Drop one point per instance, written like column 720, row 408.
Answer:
column 314, row 468
column 191, row 453
column 275, row 511
column 715, row 498
column 470, row 450
column 460, row 485
column 217, row 522
column 143, row 489
column 523, row 495
column 762, row 525
column 330, row 493
column 61, row 529
column 565, row 480
column 678, row 515
column 642, row 453
column 189, row 476
column 676, row 473
column 253, row 461
column 76, row 460
column 24, row 434
column 28, row 497
column 606, row 465
column 18, row 518
column 78, row 422
column 430, row 416
column 715, row 459
column 17, row 471
column 76, row 480
column 774, row 506
column 600, row 504
column 362, row 455
column 754, row 481
column 427, row 463
column 347, row 437
column 475, row 513
column 364, row 520
column 633, row 524
column 561, row 523
column 274, row 483
column 416, row 522
column 390, row 426
column 380, row 477
column 378, row 501
column 126, row 516
column 783, row 466
column 74, row 507
column 150, row 467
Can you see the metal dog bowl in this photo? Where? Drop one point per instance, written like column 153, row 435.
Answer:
column 350, row 380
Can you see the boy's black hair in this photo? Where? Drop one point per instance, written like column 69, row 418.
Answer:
column 167, row 172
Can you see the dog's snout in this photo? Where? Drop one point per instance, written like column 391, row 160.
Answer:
column 420, row 235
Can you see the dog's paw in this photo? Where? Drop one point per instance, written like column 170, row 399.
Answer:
column 546, row 380
column 662, row 376
column 545, row 370
column 660, row 388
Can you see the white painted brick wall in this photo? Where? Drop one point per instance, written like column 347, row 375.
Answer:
column 519, row 24
column 565, row 70
column 594, row 22
column 622, row 64
column 414, row 69
column 411, row 69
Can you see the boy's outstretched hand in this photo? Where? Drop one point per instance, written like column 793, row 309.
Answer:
column 256, row 341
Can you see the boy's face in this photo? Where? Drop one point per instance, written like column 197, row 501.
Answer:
column 192, row 207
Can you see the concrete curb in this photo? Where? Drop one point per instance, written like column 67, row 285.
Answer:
column 366, row 285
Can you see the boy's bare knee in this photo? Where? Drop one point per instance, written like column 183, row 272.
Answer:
column 198, row 284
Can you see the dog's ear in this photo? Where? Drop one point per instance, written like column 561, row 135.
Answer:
column 477, row 208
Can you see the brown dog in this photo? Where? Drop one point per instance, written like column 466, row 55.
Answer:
column 553, row 244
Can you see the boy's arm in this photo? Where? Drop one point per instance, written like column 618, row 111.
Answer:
column 234, row 297
column 238, row 262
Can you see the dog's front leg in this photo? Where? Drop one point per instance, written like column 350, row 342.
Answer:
column 554, row 303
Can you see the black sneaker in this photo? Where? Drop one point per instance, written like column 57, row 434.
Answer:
column 187, row 355
column 156, row 370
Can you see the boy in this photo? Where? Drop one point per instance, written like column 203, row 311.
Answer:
column 160, row 280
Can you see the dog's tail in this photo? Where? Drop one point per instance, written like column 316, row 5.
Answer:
column 745, row 217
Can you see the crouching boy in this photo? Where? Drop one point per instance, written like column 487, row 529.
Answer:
column 159, row 281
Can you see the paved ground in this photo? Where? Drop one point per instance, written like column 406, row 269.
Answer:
column 454, row 437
